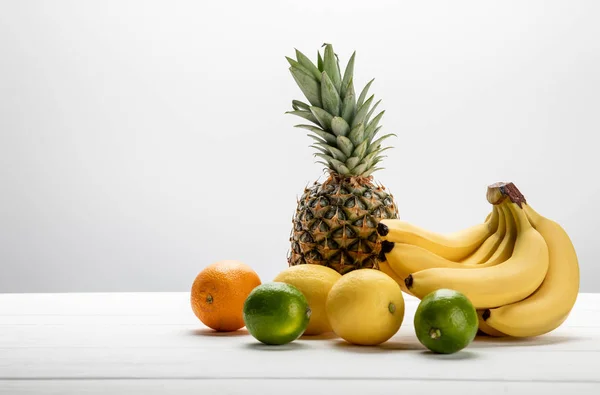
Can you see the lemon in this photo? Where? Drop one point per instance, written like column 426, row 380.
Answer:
column 314, row 281
column 365, row 307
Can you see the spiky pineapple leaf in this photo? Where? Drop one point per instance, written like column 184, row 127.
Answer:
column 348, row 74
column 361, row 149
column 304, row 114
column 352, row 162
column 324, row 146
column 359, row 170
column 329, row 96
column 364, row 93
column 333, row 151
column 300, row 105
column 371, row 112
column 328, row 137
column 348, row 109
column 330, row 66
column 327, row 158
column 317, row 138
column 322, row 163
column 371, row 129
column 357, row 134
column 348, row 103
column 368, row 158
column 297, row 65
column 319, row 62
column 374, row 133
column 362, row 111
column 345, row 145
column 380, row 150
column 337, row 154
column 377, row 143
column 340, row 167
column 339, row 71
column 323, row 117
column 308, row 65
column 372, row 170
column 348, row 126
column 309, row 86
column 374, row 157
column 321, row 150
column 339, row 126
column 377, row 159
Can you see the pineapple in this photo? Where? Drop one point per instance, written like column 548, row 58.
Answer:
column 335, row 221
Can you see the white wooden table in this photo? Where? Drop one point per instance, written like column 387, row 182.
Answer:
column 151, row 343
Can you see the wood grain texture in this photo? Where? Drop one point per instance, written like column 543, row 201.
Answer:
column 152, row 343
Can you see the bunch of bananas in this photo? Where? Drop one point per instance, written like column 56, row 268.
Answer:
column 518, row 268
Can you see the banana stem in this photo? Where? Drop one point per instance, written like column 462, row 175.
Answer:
column 496, row 193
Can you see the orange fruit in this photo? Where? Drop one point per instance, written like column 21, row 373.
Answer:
column 219, row 292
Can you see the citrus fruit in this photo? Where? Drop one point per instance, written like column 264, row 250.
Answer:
column 365, row 307
column 276, row 313
column 219, row 291
column 445, row 321
column 314, row 281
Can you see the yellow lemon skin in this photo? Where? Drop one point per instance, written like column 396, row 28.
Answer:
column 365, row 307
column 314, row 281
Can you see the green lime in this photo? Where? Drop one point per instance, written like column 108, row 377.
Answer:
column 446, row 321
column 276, row 313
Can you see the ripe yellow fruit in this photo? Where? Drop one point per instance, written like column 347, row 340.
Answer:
column 365, row 307
column 387, row 269
column 314, row 281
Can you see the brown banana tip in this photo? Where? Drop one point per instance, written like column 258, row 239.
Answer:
column 486, row 314
column 382, row 229
column 381, row 256
column 499, row 191
column 387, row 246
column 409, row 281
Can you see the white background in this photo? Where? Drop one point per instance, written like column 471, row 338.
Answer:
column 142, row 140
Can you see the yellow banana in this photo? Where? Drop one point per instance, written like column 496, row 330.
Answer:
column 552, row 302
column 505, row 249
column 453, row 246
column 405, row 259
column 508, row 282
column 485, row 328
column 385, row 267
column 489, row 246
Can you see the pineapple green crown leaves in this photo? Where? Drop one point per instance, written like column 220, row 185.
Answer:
column 343, row 126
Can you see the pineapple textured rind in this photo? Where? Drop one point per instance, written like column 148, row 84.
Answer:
column 335, row 224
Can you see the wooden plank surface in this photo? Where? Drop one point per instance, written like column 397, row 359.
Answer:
column 290, row 387
column 152, row 343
